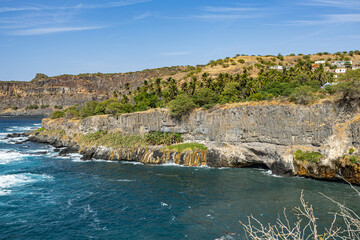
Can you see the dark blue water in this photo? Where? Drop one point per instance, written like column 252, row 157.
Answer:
column 44, row 196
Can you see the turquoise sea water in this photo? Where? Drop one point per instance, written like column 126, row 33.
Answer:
column 44, row 196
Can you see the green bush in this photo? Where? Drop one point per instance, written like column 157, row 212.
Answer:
column 44, row 106
column 181, row 106
column 57, row 114
column 114, row 139
column 58, row 107
column 354, row 159
column 302, row 95
column 256, row 97
column 187, row 146
column 241, row 61
column 14, row 107
column 32, row 107
column 205, row 98
column 308, row 156
column 159, row 138
column 40, row 130
column 351, row 151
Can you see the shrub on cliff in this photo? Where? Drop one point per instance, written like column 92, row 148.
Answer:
column 205, row 98
column 57, row 114
column 118, row 108
column 32, row 107
column 302, row 95
column 72, row 112
column 181, row 106
column 350, row 88
column 159, row 138
column 308, row 156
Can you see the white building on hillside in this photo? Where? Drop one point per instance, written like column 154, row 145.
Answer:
column 320, row 62
column 340, row 70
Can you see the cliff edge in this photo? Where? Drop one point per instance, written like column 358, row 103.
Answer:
column 264, row 135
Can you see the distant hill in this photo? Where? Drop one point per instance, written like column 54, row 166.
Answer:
column 44, row 94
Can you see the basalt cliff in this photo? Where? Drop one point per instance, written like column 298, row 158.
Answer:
column 68, row 90
column 237, row 135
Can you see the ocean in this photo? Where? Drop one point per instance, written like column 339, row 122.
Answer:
column 45, row 196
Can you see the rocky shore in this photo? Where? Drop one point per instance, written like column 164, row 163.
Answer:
column 262, row 135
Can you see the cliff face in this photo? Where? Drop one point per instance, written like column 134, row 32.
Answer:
column 245, row 135
column 67, row 90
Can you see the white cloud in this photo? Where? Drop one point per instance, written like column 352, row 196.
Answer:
column 176, row 53
column 228, row 9
column 350, row 4
column 144, row 15
column 79, row 6
column 332, row 19
column 222, row 16
column 41, row 31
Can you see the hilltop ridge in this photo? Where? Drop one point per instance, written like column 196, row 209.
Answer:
column 44, row 94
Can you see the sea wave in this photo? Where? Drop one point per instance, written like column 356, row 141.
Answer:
column 8, row 156
column 21, row 128
column 270, row 173
column 10, row 181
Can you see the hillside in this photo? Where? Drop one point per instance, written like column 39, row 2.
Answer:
column 44, row 94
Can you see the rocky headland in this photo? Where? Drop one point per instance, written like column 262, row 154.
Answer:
column 264, row 134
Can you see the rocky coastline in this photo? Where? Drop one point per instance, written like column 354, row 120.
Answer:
column 262, row 135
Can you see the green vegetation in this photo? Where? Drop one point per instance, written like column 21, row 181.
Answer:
column 32, row 107
column 114, row 139
column 186, row 146
column 354, row 159
column 297, row 81
column 44, row 106
column 159, row 138
column 312, row 157
column 181, row 106
column 302, row 95
column 351, row 151
column 40, row 130
column 58, row 107
column 57, row 114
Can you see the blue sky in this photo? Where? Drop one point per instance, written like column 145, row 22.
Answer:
column 72, row 36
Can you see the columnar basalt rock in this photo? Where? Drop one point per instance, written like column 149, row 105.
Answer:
column 240, row 135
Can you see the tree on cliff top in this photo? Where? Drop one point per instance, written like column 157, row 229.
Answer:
column 350, row 88
column 181, row 106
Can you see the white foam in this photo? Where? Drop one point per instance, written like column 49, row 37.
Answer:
column 126, row 180
column 20, row 128
column 10, row 156
column 130, row 162
column 13, row 140
column 270, row 173
column 8, row 182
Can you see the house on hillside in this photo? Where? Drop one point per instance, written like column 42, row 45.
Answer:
column 320, row 62
column 340, row 70
column 314, row 66
column 341, row 63
column 277, row 67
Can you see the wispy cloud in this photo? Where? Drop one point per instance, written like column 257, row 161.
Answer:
column 78, row 6
column 222, row 16
column 222, row 13
column 228, row 9
column 42, row 31
column 332, row 18
column 176, row 53
column 144, row 15
column 349, row 4
column 46, row 19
